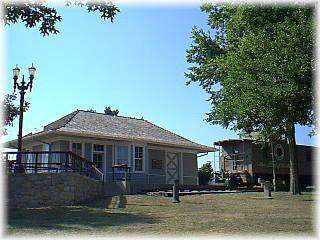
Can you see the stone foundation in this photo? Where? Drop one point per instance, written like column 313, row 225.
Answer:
column 50, row 189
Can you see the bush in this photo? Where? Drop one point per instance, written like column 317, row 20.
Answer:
column 205, row 174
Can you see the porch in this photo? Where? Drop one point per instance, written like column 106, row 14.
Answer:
column 52, row 162
column 110, row 161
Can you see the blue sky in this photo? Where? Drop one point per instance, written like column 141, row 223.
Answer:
column 135, row 64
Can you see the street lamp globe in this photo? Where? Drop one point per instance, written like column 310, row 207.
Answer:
column 32, row 70
column 16, row 71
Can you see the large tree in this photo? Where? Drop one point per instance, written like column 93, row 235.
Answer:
column 257, row 67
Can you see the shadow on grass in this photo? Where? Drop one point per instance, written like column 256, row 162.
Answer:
column 148, row 205
column 72, row 218
column 107, row 203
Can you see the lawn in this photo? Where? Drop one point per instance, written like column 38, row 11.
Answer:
column 245, row 213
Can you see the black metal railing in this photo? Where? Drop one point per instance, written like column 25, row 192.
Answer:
column 52, row 161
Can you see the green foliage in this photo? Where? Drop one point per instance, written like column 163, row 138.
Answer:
column 109, row 111
column 10, row 110
column 205, row 173
column 257, row 66
column 91, row 110
column 32, row 13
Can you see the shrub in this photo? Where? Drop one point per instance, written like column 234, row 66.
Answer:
column 205, row 174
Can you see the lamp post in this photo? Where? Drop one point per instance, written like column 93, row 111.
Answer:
column 23, row 87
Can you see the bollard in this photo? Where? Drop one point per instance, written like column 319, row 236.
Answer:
column 125, row 175
column 267, row 189
column 175, row 192
column 121, row 201
column 261, row 181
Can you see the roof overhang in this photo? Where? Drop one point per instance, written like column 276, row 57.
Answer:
column 226, row 141
column 39, row 135
column 201, row 149
column 29, row 138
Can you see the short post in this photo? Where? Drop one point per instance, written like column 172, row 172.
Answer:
column 175, row 191
column 66, row 163
column 267, row 189
column 121, row 201
column 126, row 174
column 36, row 164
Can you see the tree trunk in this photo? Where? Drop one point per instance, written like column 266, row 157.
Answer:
column 294, row 174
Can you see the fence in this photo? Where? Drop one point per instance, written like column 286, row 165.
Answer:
column 52, row 161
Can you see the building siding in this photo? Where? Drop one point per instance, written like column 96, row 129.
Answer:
column 109, row 160
column 156, row 176
column 151, row 175
column 64, row 146
column 260, row 161
column 156, row 179
column 158, row 155
column 55, row 146
column 37, row 148
column 190, row 180
column 190, row 165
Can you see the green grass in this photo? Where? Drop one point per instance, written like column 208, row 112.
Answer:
column 244, row 213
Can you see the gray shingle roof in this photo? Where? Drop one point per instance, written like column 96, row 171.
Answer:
column 118, row 127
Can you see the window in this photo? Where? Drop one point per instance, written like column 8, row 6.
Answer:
column 278, row 152
column 98, row 153
column 122, row 155
column 98, row 160
column 138, row 159
column 77, row 148
column 234, row 165
column 98, row 148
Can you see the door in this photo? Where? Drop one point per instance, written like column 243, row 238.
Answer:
column 172, row 167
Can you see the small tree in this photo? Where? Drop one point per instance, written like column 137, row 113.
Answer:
column 91, row 110
column 108, row 111
column 205, row 173
column 10, row 111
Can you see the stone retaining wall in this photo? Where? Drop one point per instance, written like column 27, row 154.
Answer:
column 51, row 189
